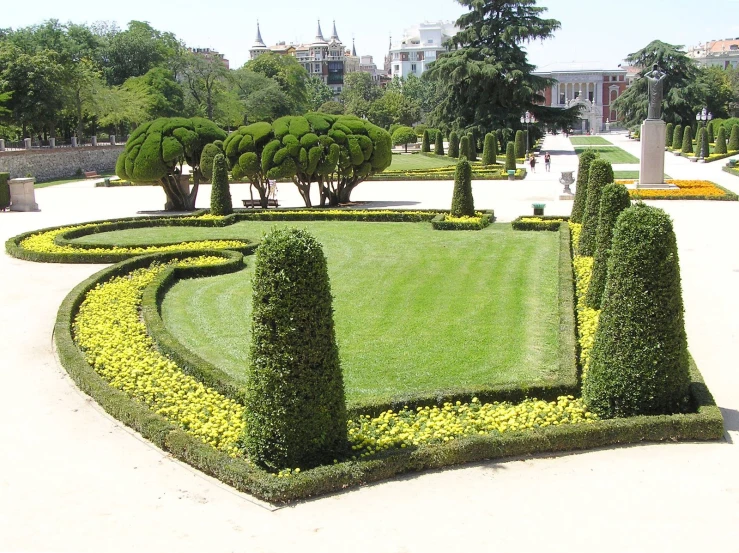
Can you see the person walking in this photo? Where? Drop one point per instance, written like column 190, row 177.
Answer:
column 532, row 163
column 547, row 161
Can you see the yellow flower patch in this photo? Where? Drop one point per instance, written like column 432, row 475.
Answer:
column 587, row 317
column 685, row 188
column 540, row 220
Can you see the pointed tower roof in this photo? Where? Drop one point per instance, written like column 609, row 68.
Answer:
column 319, row 35
column 354, row 49
column 258, row 42
column 335, row 35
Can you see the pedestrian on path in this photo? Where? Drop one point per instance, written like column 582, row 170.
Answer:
column 547, row 161
column 532, row 163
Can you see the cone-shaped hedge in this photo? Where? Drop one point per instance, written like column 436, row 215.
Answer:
column 703, row 143
column 687, row 141
column 720, row 145
column 4, row 191
column 510, row 156
column 581, row 185
column 425, row 144
column 734, row 139
column 639, row 361
column 601, row 174
column 473, row 146
column 439, row 144
column 295, row 404
column 677, row 138
column 669, row 134
column 614, row 199
column 453, row 144
column 490, row 150
column 520, row 144
column 464, row 147
column 711, row 135
column 220, row 195
column 463, row 204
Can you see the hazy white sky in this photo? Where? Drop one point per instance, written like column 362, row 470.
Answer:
column 593, row 32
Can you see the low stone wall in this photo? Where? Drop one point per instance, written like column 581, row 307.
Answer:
column 59, row 163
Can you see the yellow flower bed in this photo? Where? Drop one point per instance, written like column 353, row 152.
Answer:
column 434, row 425
column 43, row 242
column 463, row 219
column 587, row 317
column 540, row 220
column 685, row 188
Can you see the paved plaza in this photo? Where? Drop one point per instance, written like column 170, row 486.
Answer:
column 74, row 479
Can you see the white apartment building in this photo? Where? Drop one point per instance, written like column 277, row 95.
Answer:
column 721, row 53
column 419, row 47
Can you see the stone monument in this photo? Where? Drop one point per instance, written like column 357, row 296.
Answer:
column 653, row 132
column 22, row 195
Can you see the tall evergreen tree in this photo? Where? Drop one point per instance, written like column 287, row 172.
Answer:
column 734, row 139
column 581, row 186
column 490, row 150
column 677, row 138
column 439, row 144
column 669, row 134
column 520, row 144
column 453, row 144
column 720, row 146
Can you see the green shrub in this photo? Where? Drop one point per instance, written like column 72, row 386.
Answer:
column 210, row 151
column 720, row 145
column 404, row 136
column 677, row 138
column 687, row 141
column 734, row 139
column 295, row 405
column 220, row 195
column 490, row 150
column 464, row 147
column 473, row 147
column 463, row 204
column 425, row 145
column 711, row 134
column 4, row 191
column 510, row 157
column 581, row 185
column 393, row 128
column 601, row 174
column 439, row 144
column 614, row 199
column 639, row 363
column 520, row 144
column 703, row 147
column 453, row 144
column 669, row 134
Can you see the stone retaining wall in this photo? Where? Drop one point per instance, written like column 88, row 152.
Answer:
column 60, row 163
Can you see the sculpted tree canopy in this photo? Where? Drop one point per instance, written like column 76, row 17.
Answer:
column 156, row 152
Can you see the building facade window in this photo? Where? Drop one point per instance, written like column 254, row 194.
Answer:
column 396, row 68
column 413, row 67
column 562, row 99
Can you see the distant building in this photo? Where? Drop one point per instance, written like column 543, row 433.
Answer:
column 327, row 60
column 419, row 46
column 721, row 53
column 367, row 65
column 209, row 53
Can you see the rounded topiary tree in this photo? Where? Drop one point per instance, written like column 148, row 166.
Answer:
column 295, row 406
column 520, row 145
column 614, row 199
column 156, row 152
column 734, row 139
column 464, row 147
column 677, row 138
column 463, row 204
column 639, row 361
column 601, row 174
column 210, row 151
column 719, row 146
column 425, row 143
column 439, row 144
column 220, row 195
column 490, row 150
column 404, row 136
column 581, row 185
column 4, row 191
column 473, row 146
column 510, row 157
column 687, row 147
column 453, row 144
column 669, row 134
column 703, row 143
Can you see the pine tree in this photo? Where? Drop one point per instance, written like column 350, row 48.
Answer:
column 581, row 185
column 601, row 174
column 463, row 204
column 220, row 195
column 677, row 139
column 510, row 157
column 453, row 144
column 439, row 144
column 490, row 150
column 687, row 141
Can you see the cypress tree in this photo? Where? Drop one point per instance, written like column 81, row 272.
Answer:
column 4, row 191
column 601, row 173
column 734, row 139
column 473, row 146
column 711, row 134
column 703, row 141
column 489, row 151
column 520, row 145
column 687, row 141
column 720, row 145
column 669, row 134
column 677, row 139
column 501, row 140
column 581, row 185
column 295, row 406
column 220, row 195
column 439, row 144
column 425, row 144
column 453, row 144
column 464, row 147
column 463, row 203
column 510, row 157
column 614, row 199
column 639, row 361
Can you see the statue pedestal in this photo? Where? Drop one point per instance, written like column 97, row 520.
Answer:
column 22, row 195
column 652, row 169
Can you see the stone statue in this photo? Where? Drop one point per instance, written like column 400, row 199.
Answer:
column 655, row 78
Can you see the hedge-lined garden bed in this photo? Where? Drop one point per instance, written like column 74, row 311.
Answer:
column 539, row 222
column 447, row 222
column 687, row 190
column 446, row 173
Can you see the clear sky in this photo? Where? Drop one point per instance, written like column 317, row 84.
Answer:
column 600, row 33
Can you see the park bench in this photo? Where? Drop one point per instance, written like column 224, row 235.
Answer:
column 91, row 175
column 256, row 203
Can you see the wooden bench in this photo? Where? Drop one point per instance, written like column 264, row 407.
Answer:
column 256, row 203
column 91, row 175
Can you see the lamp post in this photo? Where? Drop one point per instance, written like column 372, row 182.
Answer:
column 527, row 118
column 703, row 116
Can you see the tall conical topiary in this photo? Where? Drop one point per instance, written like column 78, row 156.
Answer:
column 295, row 406
column 601, row 174
column 439, row 144
column 687, row 141
column 425, row 143
column 464, row 147
column 669, row 134
column 453, row 144
column 490, row 150
column 639, row 361
column 473, row 146
column 711, row 134
column 720, row 145
column 703, row 144
column 4, row 191
column 613, row 200
column 520, row 145
column 581, row 185
column 463, row 204
column 510, row 157
column 677, row 138
column 734, row 139
column 220, row 195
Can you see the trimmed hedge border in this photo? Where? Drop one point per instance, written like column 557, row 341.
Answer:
column 478, row 223
column 424, row 176
column 548, row 222
column 710, row 159
column 731, row 170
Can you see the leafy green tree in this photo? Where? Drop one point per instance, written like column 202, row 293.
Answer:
column 262, row 97
column 677, row 139
column 220, row 196
column 332, row 108
column 317, row 93
column 404, row 136
column 393, row 107
column 358, row 93
column 439, row 144
column 205, row 78
column 165, row 96
column 581, row 185
column 719, row 94
column 453, row 144
column 287, row 72
column 510, row 157
column 490, row 150
column 463, row 204
column 244, row 149
column 687, row 140
column 520, row 145
column 720, row 145
column 601, row 174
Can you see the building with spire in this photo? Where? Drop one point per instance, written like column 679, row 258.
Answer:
column 327, row 60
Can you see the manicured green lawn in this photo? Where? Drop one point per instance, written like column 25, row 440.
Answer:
column 614, row 154
column 65, row 181
column 405, row 162
column 589, row 141
column 416, row 310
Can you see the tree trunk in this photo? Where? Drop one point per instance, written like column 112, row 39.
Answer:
column 176, row 200
column 304, row 189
